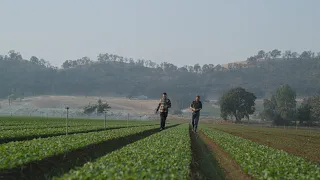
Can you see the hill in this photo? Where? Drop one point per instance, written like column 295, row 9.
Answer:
column 112, row 75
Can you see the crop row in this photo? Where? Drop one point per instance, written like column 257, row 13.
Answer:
column 43, row 132
column 12, row 134
column 263, row 162
column 164, row 155
column 18, row 127
column 70, row 124
column 17, row 153
column 35, row 121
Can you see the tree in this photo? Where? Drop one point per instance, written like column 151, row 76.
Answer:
column 89, row 109
column 281, row 109
column 205, row 68
column 183, row 69
column 102, row 106
column 237, row 102
column 197, row 68
column 14, row 55
column 304, row 111
column 252, row 60
column 34, row 60
column 285, row 98
column 67, row 64
column 287, row 55
column 261, row 54
column 315, row 108
column 269, row 107
column 307, row 55
column 294, row 55
column 275, row 53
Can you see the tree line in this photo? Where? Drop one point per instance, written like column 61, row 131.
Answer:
column 111, row 74
column 281, row 108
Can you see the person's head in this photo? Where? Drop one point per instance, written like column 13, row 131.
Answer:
column 197, row 98
column 164, row 95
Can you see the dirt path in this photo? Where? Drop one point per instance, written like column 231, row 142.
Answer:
column 231, row 169
column 203, row 165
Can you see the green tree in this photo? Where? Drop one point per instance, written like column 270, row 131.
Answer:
column 102, row 106
column 281, row 108
column 286, row 102
column 237, row 102
column 307, row 55
column 304, row 111
column 287, row 55
column 261, row 54
column 315, row 108
column 275, row 53
column 34, row 60
column 269, row 109
column 89, row 109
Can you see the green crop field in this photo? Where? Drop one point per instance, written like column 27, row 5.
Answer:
column 40, row 148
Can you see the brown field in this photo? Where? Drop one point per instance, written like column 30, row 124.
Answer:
column 117, row 104
column 301, row 142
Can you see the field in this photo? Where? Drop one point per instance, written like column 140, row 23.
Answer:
column 40, row 148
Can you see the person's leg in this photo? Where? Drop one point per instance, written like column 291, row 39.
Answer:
column 196, row 121
column 165, row 119
column 161, row 120
column 192, row 122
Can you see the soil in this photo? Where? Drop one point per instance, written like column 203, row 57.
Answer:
column 231, row 169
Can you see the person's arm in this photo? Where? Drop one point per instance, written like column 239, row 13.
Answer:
column 191, row 107
column 157, row 109
column 169, row 103
column 200, row 106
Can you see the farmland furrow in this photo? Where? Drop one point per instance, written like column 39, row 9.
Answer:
column 28, row 134
column 14, row 154
column 164, row 155
column 263, row 162
column 304, row 143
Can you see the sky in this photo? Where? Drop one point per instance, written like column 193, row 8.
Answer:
column 182, row 32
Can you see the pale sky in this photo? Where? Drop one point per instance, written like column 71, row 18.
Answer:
column 182, row 32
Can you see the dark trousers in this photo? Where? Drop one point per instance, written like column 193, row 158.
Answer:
column 195, row 120
column 163, row 118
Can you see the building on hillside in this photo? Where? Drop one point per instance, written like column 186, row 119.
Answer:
column 233, row 65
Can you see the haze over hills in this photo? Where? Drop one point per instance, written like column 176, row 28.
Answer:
column 113, row 75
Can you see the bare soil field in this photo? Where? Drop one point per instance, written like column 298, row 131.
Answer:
column 76, row 102
column 301, row 142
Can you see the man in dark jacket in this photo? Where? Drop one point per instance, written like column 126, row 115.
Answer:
column 195, row 106
column 164, row 105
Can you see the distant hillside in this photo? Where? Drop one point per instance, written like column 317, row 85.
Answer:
column 118, row 76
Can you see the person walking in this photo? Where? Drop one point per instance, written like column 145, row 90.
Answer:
column 195, row 107
column 163, row 107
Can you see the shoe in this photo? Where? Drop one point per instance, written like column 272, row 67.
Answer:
column 161, row 129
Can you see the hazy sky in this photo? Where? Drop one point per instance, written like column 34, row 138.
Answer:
column 177, row 31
